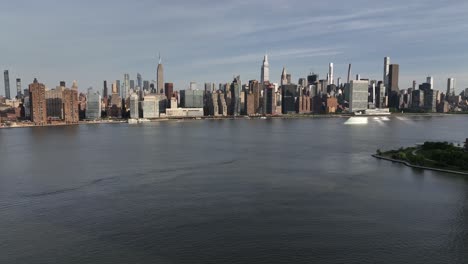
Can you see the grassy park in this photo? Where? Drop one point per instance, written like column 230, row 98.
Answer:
column 439, row 155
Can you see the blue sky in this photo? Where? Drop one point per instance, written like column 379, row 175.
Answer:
column 212, row 40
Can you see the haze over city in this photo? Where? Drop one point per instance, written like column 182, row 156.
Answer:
column 210, row 41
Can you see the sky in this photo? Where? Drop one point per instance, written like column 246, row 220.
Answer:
column 213, row 40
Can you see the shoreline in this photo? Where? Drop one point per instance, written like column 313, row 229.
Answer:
column 297, row 116
column 417, row 166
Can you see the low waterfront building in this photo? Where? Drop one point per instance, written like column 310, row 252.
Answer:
column 184, row 112
column 377, row 111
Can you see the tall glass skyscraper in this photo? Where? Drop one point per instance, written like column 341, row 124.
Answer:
column 451, row 87
column 93, row 108
column 18, row 88
column 7, row 84
column 126, row 86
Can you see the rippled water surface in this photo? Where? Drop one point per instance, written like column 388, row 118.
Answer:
column 230, row 191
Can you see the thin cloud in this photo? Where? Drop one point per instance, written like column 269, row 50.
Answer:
column 275, row 54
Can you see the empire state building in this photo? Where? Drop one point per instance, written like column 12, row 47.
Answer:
column 160, row 76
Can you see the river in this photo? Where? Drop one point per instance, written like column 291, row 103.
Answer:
column 230, row 191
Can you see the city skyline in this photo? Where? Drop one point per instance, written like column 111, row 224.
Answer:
column 159, row 85
column 215, row 49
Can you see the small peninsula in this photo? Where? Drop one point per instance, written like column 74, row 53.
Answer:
column 437, row 156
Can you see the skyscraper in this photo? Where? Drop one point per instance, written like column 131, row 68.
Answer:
column 430, row 80
column 302, row 82
column 126, row 86
column 139, row 81
column 117, row 85
column 54, row 102
column 265, row 76
column 132, row 85
column 269, row 99
column 208, row 87
column 430, row 97
column 37, row 103
column 349, row 72
column 358, row 95
column 93, row 108
column 134, row 113
column 386, row 71
column 393, row 89
column 451, row 87
column 7, row 84
column 114, row 88
column 160, row 76
column 289, row 94
column 70, row 104
column 256, row 89
column 235, row 106
column 330, row 71
column 393, row 78
column 18, row 87
column 193, row 85
column 312, row 78
column 169, row 90
column 105, row 92
column 284, row 77
column 146, row 85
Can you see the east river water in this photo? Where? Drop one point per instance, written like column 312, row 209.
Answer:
column 230, row 191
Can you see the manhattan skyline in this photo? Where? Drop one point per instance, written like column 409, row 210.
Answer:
column 210, row 41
